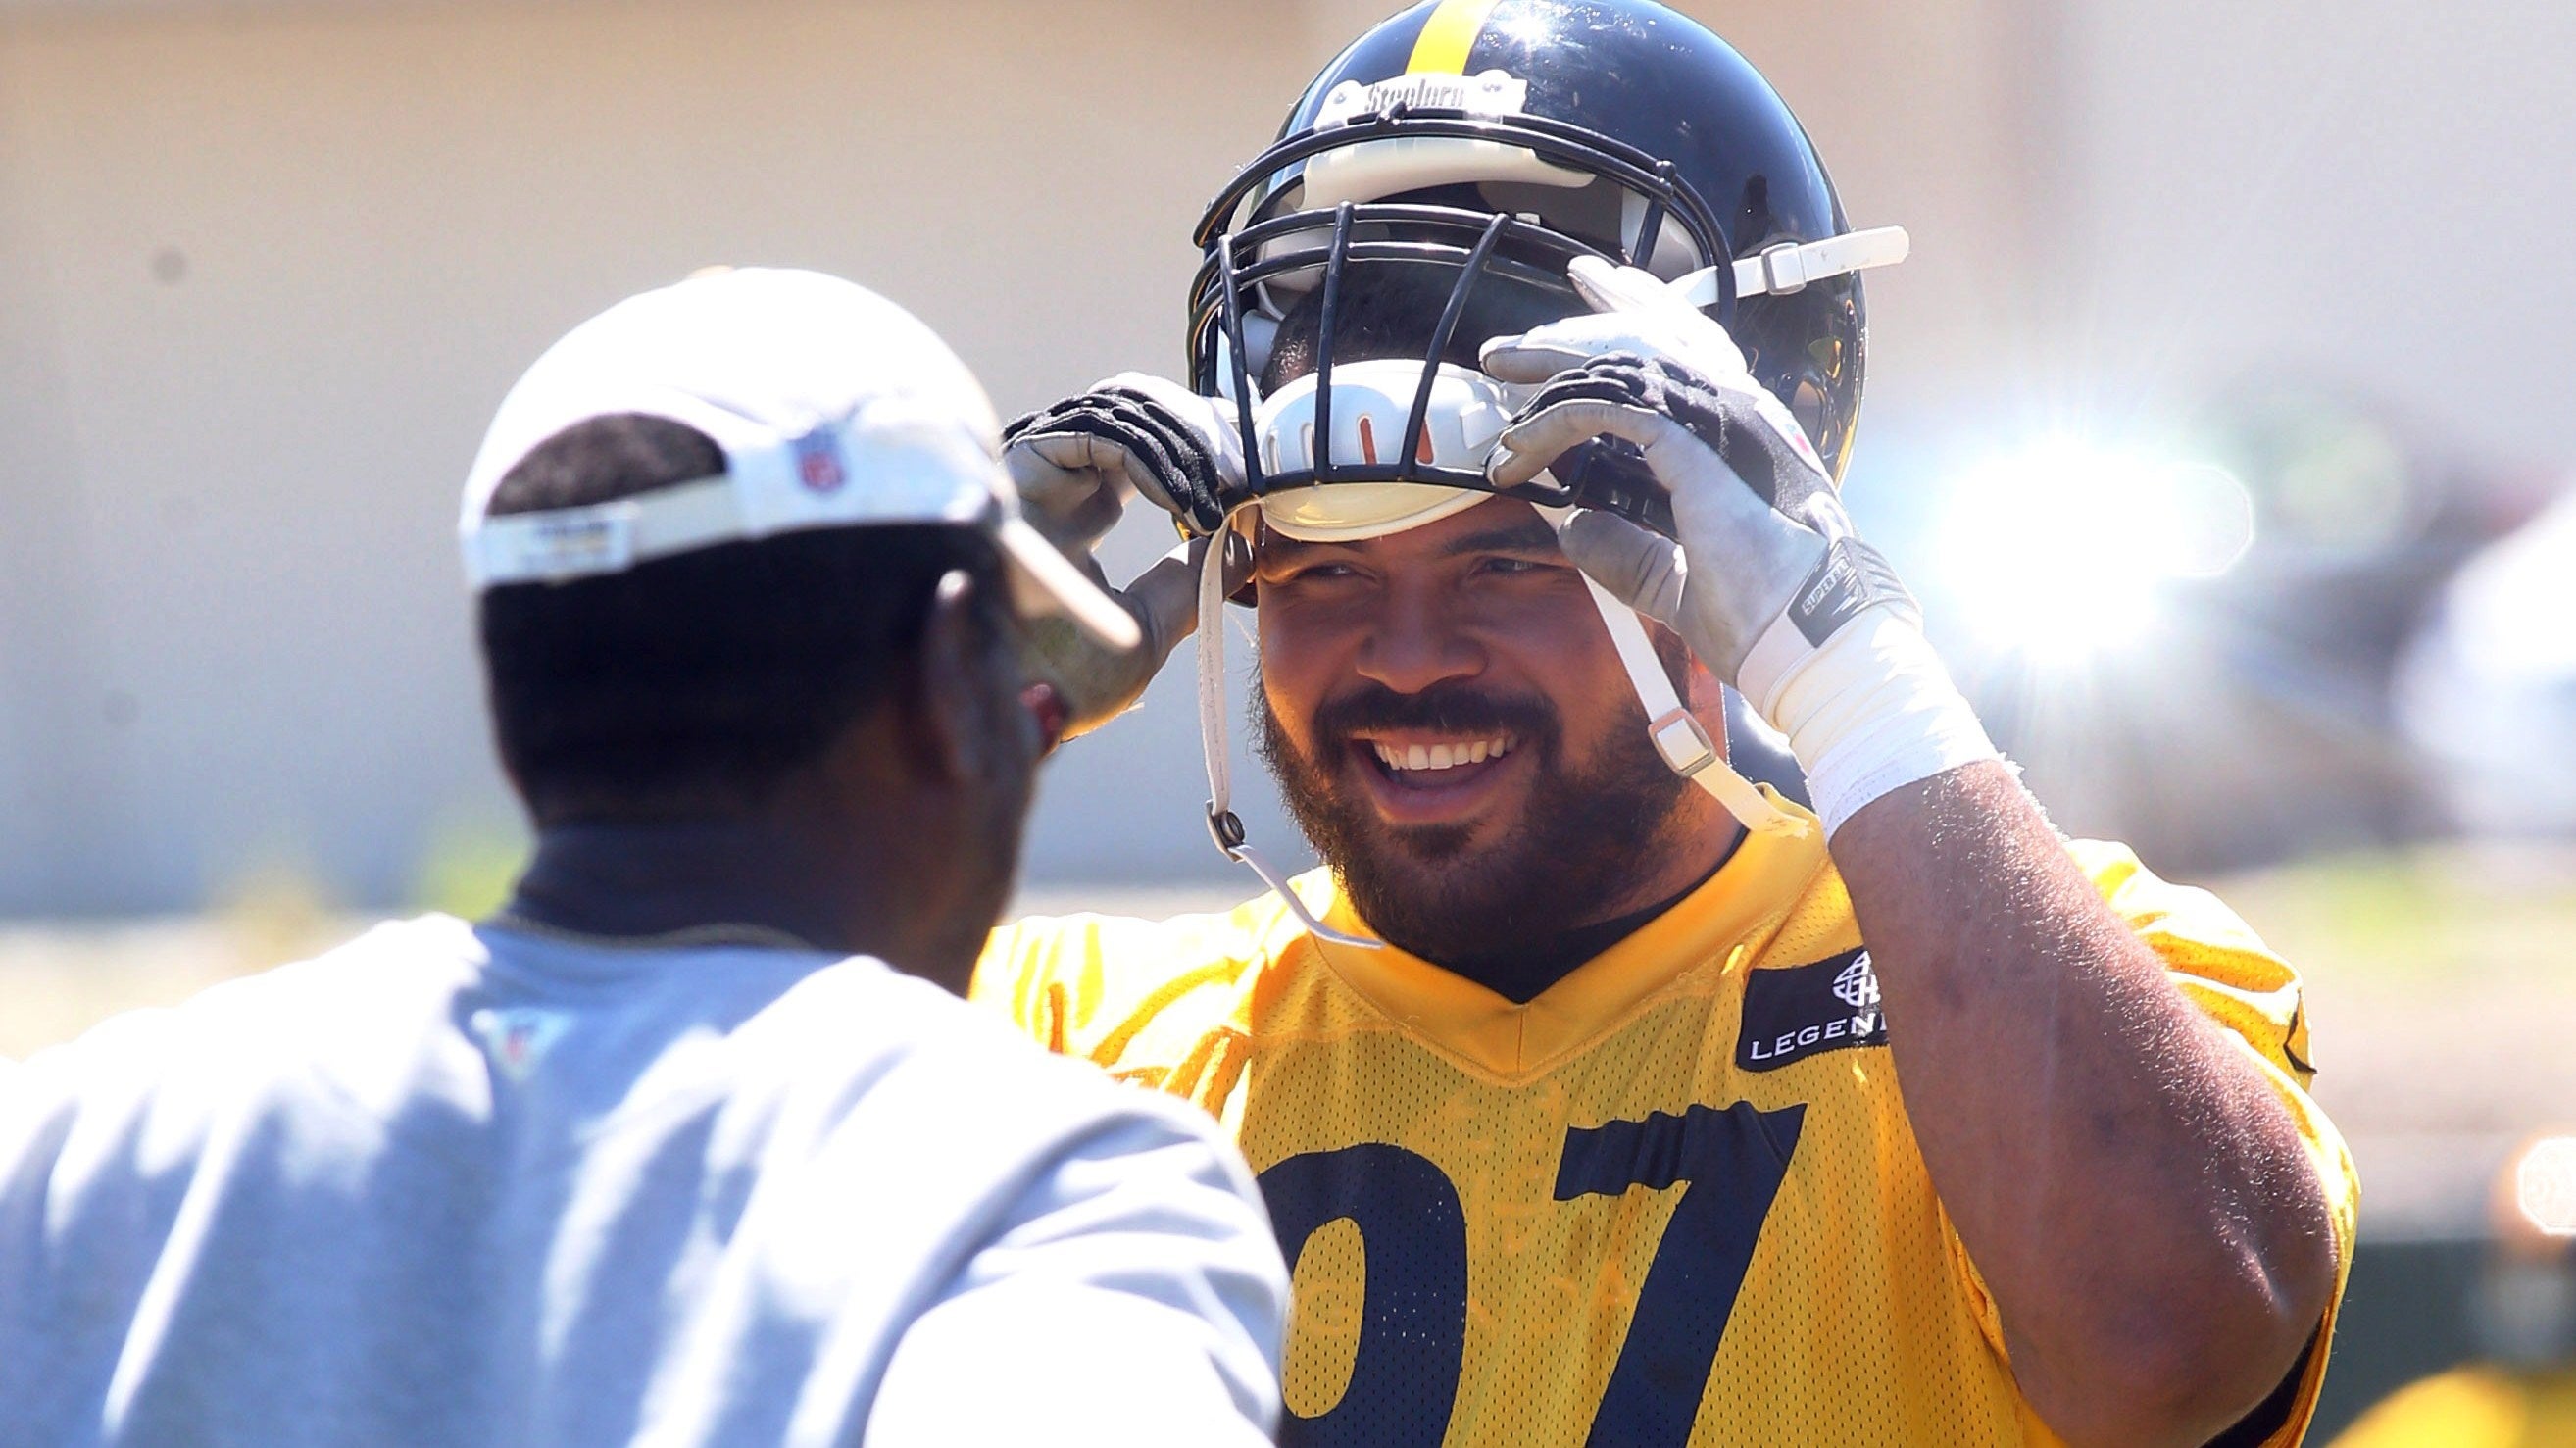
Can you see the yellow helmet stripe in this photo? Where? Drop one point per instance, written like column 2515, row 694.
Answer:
column 1447, row 36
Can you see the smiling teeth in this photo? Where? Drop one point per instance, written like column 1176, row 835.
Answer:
column 1441, row 756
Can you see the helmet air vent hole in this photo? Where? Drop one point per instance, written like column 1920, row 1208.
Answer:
column 1368, row 441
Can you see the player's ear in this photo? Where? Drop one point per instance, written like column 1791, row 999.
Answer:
column 1705, row 695
column 965, row 721
column 1693, row 680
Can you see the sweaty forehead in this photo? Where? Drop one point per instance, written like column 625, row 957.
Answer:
column 1496, row 525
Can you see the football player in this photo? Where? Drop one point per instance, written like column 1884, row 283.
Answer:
column 2520, row 1389
column 1596, row 1094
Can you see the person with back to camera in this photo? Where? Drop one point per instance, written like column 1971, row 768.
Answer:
column 691, row 1143
column 1523, row 371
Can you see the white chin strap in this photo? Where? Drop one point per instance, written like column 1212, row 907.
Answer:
column 1679, row 737
column 1786, row 269
column 1223, row 823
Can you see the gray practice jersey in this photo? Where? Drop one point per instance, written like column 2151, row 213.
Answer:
column 450, row 1185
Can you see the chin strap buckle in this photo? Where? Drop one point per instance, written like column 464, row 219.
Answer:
column 1784, row 270
column 1226, row 827
column 1791, row 267
column 1683, row 741
column 1678, row 735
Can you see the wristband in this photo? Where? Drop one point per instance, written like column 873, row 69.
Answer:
column 1870, row 711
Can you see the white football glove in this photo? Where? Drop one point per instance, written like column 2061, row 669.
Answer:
column 1075, row 465
column 1768, row 582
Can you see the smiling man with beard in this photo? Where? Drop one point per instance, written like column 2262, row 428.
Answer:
column 1506, row 874
column 1524, row 371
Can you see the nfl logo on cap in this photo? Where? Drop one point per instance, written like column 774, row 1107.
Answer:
column 818, row 461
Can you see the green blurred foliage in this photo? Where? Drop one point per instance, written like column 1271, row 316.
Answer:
column 2426, row 914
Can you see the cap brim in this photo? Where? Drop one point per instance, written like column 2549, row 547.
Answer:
column 1046, row 581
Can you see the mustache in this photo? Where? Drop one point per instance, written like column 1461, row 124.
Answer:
column 1452, row 707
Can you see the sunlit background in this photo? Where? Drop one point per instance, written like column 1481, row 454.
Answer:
column 2222, row 421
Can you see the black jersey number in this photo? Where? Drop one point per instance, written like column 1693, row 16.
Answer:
column 1413, row 1314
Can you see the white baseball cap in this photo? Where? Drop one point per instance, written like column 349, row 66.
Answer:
column 834, row 408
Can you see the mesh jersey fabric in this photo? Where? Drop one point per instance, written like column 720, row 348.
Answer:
column 449, row 1186
column 1675, row 1199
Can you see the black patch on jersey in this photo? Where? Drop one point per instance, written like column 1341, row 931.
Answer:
column 1807, row 1010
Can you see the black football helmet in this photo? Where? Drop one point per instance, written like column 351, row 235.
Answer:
column 1466, row 151
column 1427, row 195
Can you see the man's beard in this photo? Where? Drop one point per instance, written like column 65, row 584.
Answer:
column 1569, row 862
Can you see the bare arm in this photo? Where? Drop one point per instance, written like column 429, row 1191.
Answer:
column 2137, row 1198
column 2135, row 1194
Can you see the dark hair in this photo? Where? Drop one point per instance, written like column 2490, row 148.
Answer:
column 704, row 675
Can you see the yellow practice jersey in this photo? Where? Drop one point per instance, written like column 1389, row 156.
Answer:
column 2478, row 1406
column 1674, row 1199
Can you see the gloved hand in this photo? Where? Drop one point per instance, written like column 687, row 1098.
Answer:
column 1075, row 465
column 1766, row 580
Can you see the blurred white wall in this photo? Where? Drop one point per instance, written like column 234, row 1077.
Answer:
column 2377, row 193
column 265, row 271
column 266, row 266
